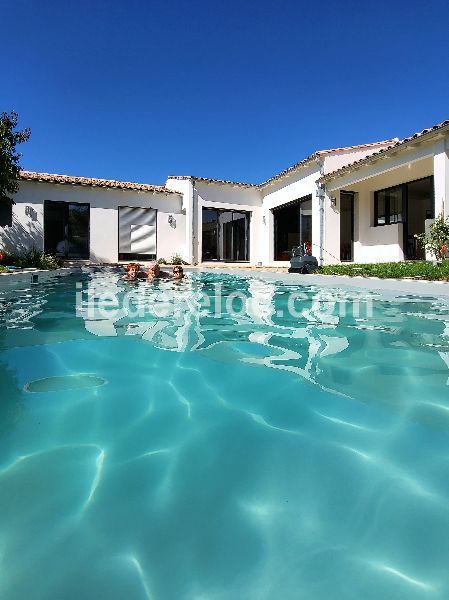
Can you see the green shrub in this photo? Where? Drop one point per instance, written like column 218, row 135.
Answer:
column 48, row 261
column 31, row 258
column 161, row 261
column 176, row 260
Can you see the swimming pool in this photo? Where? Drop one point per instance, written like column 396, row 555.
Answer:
column 224, row 438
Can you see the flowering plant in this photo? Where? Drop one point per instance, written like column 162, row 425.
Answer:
column 437, row 240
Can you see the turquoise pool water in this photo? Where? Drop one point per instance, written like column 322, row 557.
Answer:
column 208, row 455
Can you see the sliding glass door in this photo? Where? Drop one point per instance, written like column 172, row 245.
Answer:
column 66, row 229
column 225, row 235
column 292, row 226
column 210, row 234
column 420, row 206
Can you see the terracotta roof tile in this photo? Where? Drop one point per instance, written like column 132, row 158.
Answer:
column 211, row 180
column 301, row 163
column 384, row 151
column 93, row 182
column 318, row 154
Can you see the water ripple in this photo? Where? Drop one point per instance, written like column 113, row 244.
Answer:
column 230, row 456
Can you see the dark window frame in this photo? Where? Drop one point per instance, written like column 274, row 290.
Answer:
column 66, row 204
column 248, row 218
column 388, row 213
column 404, row 188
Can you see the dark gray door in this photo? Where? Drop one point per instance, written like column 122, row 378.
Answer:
column 346, row 226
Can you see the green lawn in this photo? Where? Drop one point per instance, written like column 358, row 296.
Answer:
column 394, row 270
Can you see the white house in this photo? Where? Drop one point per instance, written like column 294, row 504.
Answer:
column 392, row 195
column 96, row 219
column 361, row 203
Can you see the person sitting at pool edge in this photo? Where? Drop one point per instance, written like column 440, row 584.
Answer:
column 178, row 273
column 133, row 272
column 154, row 272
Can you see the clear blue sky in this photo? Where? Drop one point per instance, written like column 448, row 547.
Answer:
column 137, row 90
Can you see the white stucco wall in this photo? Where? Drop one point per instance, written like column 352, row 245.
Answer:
column 331, row 250
column 228, row 197
column 339, row 158
column 441, row 177
column 28, row 217
column 371, row 244
column 299, row 184
column 407, row 157
column 185, row 188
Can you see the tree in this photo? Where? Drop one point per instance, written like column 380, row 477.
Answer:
column 9, row 157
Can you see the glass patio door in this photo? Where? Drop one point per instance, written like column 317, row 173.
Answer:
column 225, row 235
column 240, row 224
column 419, row 207
column 292, row 226
column 66, row 229
column 78, row 230
column 210, row 234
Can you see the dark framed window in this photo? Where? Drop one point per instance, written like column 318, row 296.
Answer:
column 400, row 203
column 389, row 205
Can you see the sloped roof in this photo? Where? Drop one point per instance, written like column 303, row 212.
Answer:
column 318, row 154
column 301, row 163
column 211, row 180
column 375, row 155
column 93, row 182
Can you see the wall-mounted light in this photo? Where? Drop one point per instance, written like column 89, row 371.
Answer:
column 333, row 201
column 172, row 221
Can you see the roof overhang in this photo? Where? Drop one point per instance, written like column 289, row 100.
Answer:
column 408, row 150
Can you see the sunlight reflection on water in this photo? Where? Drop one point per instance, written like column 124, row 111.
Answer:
column 230, row 455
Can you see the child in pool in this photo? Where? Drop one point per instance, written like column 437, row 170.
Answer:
column 132, row 272
column 154, row 272
column 178, row 273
